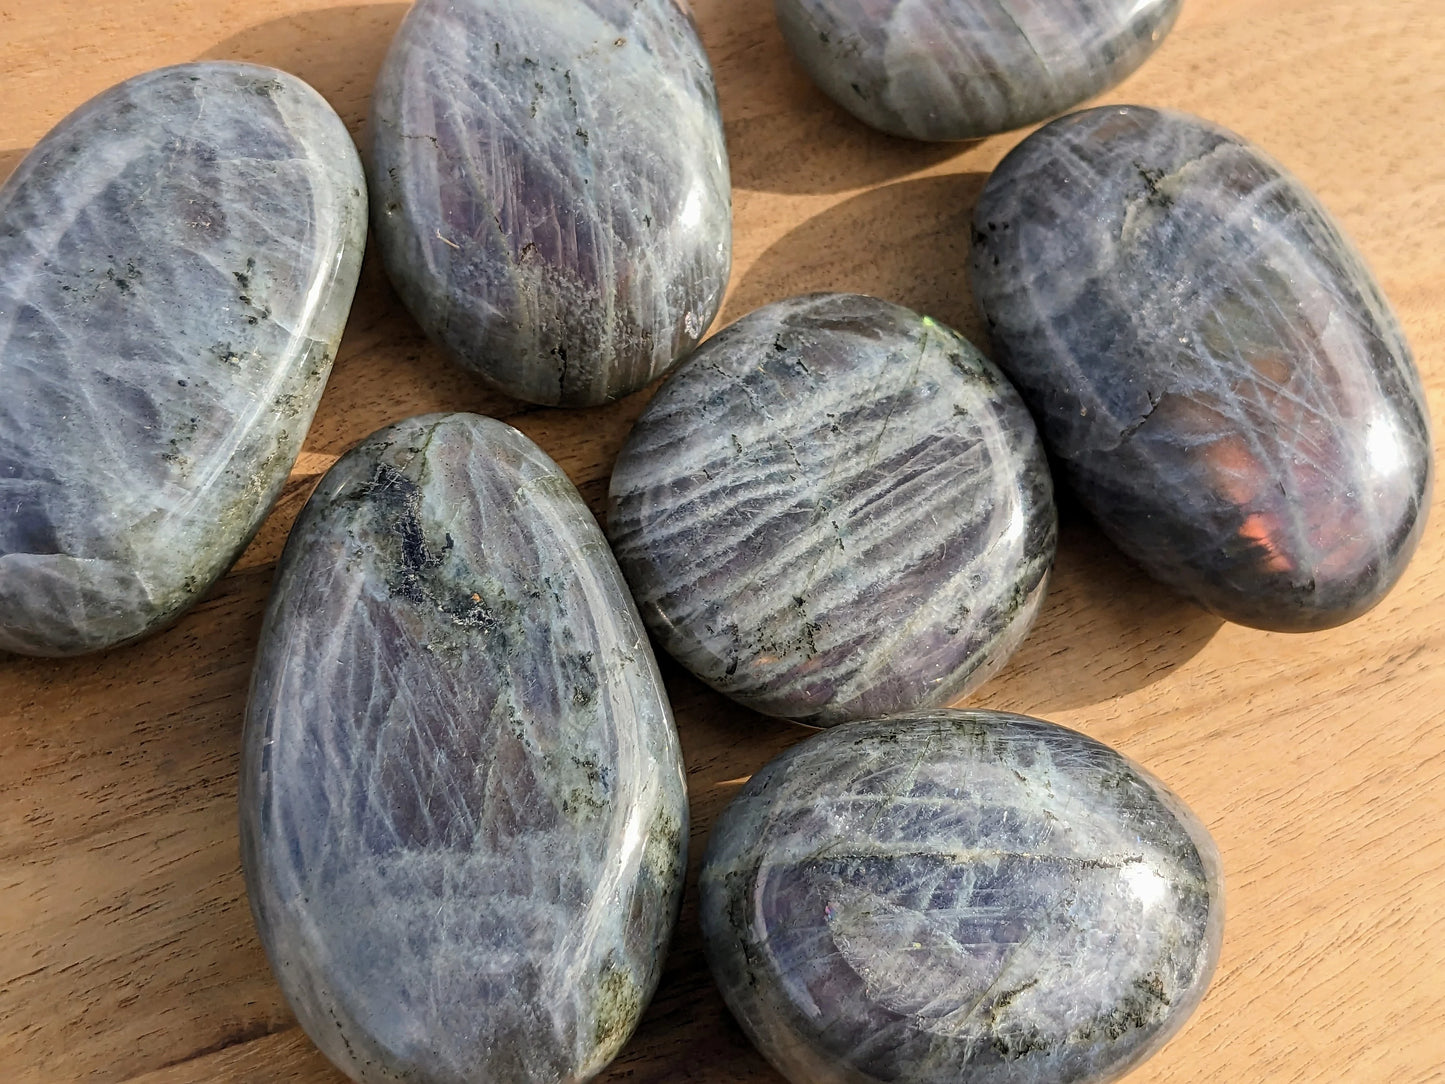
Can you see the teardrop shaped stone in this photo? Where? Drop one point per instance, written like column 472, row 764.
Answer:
column 959, row 896
column 177, row 259
column 1212, row 365
column 836, row 509
column 551, row 190
column 962, row 69
column 463, row 817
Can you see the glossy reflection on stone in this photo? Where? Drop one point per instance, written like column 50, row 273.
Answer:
column 551, row 190
column 463, row 818
column 835, row 508
column 1211, row 364
column 959, row 896
column 177, row 259
column 962, row 69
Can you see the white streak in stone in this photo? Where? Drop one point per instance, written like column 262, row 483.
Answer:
column 835, row 508
column 177, row 259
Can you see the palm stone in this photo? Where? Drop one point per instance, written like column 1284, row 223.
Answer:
column 836, row 508
column 1213, row 367
column 551, row 191
column 177, row 259
column 959, row 896
column 463, row 816
column 963, row 69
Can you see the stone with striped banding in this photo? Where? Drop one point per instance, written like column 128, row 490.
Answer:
column 177, row 259
column 962, row 69
column 463, row 815
column 835, row 508
column 959, row 896
column 551, row 190
column 1214, row 368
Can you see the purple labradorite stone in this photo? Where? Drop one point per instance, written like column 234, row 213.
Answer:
column 551, row 190
column 177, row 260
column 962, row 69
column 835, row 509
column 463, row 817
column 959, row 896
column 1214, row 369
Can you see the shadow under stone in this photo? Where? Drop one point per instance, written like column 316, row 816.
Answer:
column 1106, row 630
column 687, row 1023
column 9, row 160
column 784, row 134
column 905, row 242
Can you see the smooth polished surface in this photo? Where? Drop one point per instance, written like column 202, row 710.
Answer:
column 551, row 191
column 463, row 818
column 836, row 509
column 959, row 896
column 961, row 69
column 1213, row 366
column 177, row 259
column 127, row 952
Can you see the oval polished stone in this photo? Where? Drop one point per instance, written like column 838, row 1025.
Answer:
column 962, row 69
column 551, row 189
column 959, row 896
column 177, row 259
column 463, row 817
column 1211, row 364
column 836, row 508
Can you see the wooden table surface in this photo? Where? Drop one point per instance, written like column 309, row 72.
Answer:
column 1318, row 761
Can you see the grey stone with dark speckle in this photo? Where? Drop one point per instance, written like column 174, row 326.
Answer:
column 962, row 69
column 551, row 190
column 959, row 896
column 177, row 259
column 463, row 817
column 1213, row 367
column 836, row 508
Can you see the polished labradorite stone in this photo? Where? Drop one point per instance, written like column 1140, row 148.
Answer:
column 1213, row 367
column 836, row 508
column 463, row 818
column 959, row 896
column 177, row 258
column 551, row 191
column 961, row 69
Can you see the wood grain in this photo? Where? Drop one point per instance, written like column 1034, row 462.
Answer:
column 126, row 948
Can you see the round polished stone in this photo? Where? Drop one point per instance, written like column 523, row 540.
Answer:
column 177, row 259
column 835, row 508
column 463, row 816
column 1213, row 367
column 962, row 69
column 959, row 896
column 551, row 191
